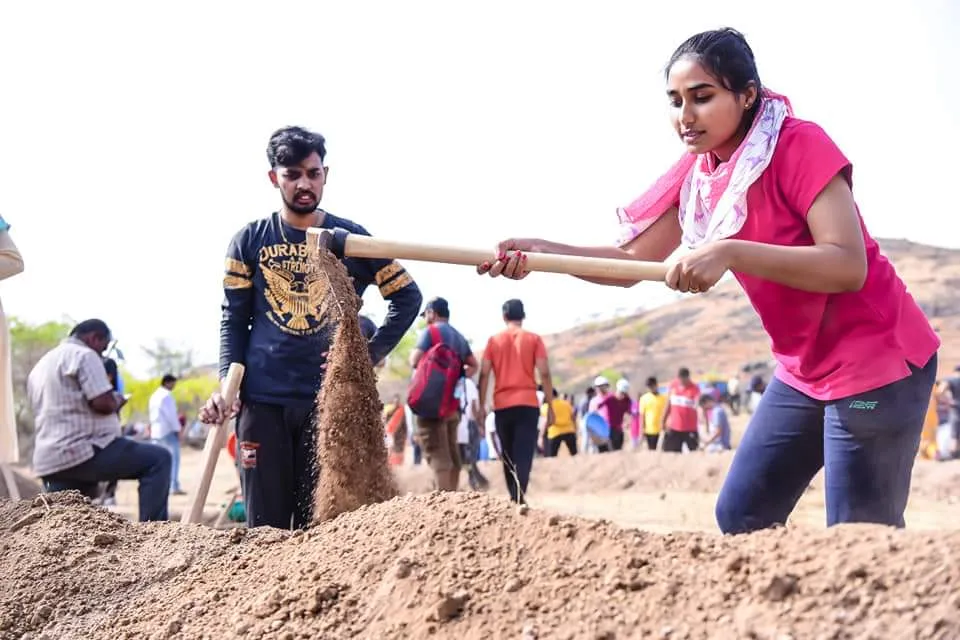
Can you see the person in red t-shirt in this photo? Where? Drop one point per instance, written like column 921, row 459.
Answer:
column 680, row 420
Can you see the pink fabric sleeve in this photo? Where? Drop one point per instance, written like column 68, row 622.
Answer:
column 637, row 217
column 807, row 161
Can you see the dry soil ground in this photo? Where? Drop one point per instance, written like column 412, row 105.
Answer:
column 615, row 546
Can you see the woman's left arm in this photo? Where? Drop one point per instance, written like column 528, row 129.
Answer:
column 836, row 263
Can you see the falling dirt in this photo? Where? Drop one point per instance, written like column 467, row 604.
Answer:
column 351, row 456
column 465, row 566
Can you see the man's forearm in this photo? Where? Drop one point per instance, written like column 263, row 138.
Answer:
column 234, row 332
column 233, row 347
column 484, row 381
column 547, row 381
column 404, row 305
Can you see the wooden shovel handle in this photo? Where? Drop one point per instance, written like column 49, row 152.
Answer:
column 216, row 437
column 360, row 246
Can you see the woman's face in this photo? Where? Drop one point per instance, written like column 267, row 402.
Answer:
column 706, row 116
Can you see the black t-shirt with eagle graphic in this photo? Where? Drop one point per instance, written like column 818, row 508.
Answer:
column 271, row 305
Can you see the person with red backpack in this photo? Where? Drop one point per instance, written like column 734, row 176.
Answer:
column 442, row 356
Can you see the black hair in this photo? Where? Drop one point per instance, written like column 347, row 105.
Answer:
column 94, row 326
column 683, row 373
column 725, row 54
column 168, row 378
column 113, row 372
column 290, row 146
column 707, row 398
column 652, row 381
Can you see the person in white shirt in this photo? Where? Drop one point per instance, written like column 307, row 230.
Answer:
column 490, row 434
column 733, row 393
column 165, row 427
column 468, row 432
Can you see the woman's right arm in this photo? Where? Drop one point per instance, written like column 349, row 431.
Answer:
column 655, row 244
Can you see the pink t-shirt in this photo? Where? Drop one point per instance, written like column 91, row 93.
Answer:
column 828, row 346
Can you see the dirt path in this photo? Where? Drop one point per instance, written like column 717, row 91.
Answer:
column 668, row 511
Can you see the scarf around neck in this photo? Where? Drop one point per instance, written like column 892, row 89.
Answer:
column 712, row 197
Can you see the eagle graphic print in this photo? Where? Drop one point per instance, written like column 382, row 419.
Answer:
column 292, row 287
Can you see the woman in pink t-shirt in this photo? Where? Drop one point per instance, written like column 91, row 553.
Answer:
column 769, row 197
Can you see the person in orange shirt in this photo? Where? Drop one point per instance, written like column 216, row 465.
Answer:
column 514, row 356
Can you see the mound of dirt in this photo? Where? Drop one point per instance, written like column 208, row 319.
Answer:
column 462, row 565
column 657, row 471
column 351, row 455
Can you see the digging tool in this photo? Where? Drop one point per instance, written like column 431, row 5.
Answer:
column 10, row 480
column 216, row 437
column 344, row 244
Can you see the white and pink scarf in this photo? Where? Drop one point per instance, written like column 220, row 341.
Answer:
column 713, row 199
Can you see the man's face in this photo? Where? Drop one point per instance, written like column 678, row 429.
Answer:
column 97, row 343
column 301, row 186
column 430, row 316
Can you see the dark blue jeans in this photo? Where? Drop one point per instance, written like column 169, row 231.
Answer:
column 866, row 444
column 122, row 459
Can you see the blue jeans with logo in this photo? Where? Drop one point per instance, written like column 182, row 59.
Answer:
column 866, row 445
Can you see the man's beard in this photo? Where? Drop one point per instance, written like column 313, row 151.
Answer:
column 301, row 209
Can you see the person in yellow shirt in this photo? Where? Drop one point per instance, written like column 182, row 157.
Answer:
column 563, row 429
column 931, row 424
column 651, row 406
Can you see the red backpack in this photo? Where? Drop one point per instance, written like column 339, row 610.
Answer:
column 431, row 393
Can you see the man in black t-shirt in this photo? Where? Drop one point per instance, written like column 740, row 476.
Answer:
column 273, row 326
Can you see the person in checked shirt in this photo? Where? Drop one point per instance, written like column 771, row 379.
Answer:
column 77, row 441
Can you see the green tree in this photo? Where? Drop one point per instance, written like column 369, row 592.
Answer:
column 190, row 394
column 167, row 359
column 28, row 343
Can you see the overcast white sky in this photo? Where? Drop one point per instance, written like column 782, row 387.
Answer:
column 132, row 135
